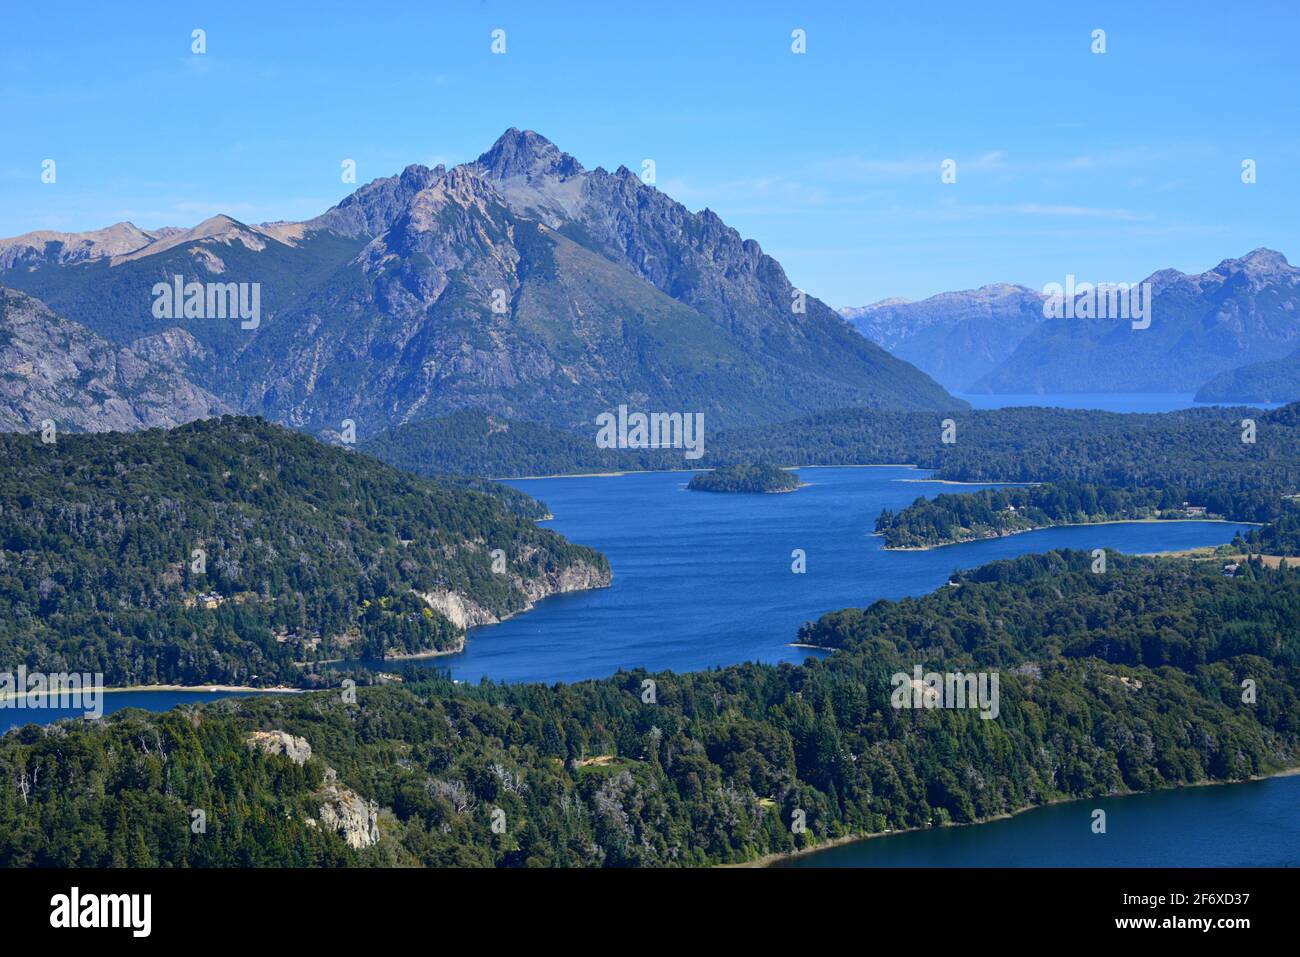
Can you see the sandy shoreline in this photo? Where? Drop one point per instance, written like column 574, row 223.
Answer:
column 935, row 481
column 417, row 655
column 767, row 860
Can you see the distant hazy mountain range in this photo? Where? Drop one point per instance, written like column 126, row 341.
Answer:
column 1277, row 380
column 520, row 284
column 954, row 337
column 1243, row 312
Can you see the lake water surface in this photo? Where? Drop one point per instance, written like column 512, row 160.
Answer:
column 1255, row 824
column 1104, row 401
column 705, row 579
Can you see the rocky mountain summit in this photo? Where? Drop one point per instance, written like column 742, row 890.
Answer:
column 521, row 284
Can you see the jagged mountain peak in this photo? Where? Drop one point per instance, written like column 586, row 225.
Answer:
column 373, row 208
column 418, row 173
column 388, row 306
column 460, row 186
column 523, row 153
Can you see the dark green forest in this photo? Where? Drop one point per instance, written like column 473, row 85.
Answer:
column 1191, row 448
column 1195, row 455
column 1280, row 537
column 989, row 513
column 745, row 477
column 225, row 551
column 1235, row 463
column 1109, row 683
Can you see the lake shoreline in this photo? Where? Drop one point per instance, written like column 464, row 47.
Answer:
column 788, row 468
column 768, row 860
column 150, row 689
column 1040, row 528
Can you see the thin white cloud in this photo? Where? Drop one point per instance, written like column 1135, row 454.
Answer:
column 858, row 167
column 1091, row 212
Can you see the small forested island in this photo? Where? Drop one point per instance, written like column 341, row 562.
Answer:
column 746, row 477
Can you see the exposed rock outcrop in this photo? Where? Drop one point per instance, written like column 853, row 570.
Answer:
column 341, row 809
column 294, row 748
column 349, row 814
column 56, row 369
column 463, row 612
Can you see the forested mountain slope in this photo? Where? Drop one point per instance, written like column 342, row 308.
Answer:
column 226, row 550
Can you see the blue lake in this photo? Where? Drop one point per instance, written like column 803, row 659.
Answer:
column 1254, row 824
column 705, row 579
column 1105, row 401
column 12, row 717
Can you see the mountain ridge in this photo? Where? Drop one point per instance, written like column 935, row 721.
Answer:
column 520, row 283
column 1243, row 310
column 955, row 337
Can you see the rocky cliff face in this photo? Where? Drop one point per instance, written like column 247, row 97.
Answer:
column 349, row 814
column 341, row 809
column 54, row 369
column 294, row 748
column 373, row 208
column 465, row 613
column 700, row 261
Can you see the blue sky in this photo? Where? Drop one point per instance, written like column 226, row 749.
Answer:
column 1105, row 166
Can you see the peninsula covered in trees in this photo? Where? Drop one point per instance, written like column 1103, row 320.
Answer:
column 991, row 513
column 1237, row 464
column 233, row 551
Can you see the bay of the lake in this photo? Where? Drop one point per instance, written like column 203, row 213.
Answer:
column 704, row 579
column 1253, row 824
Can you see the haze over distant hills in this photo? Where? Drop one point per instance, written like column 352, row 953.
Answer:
column 521, row 284
column 1244, row 314
column 954, row 337
column 1241, row 311
column 1277, row 380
